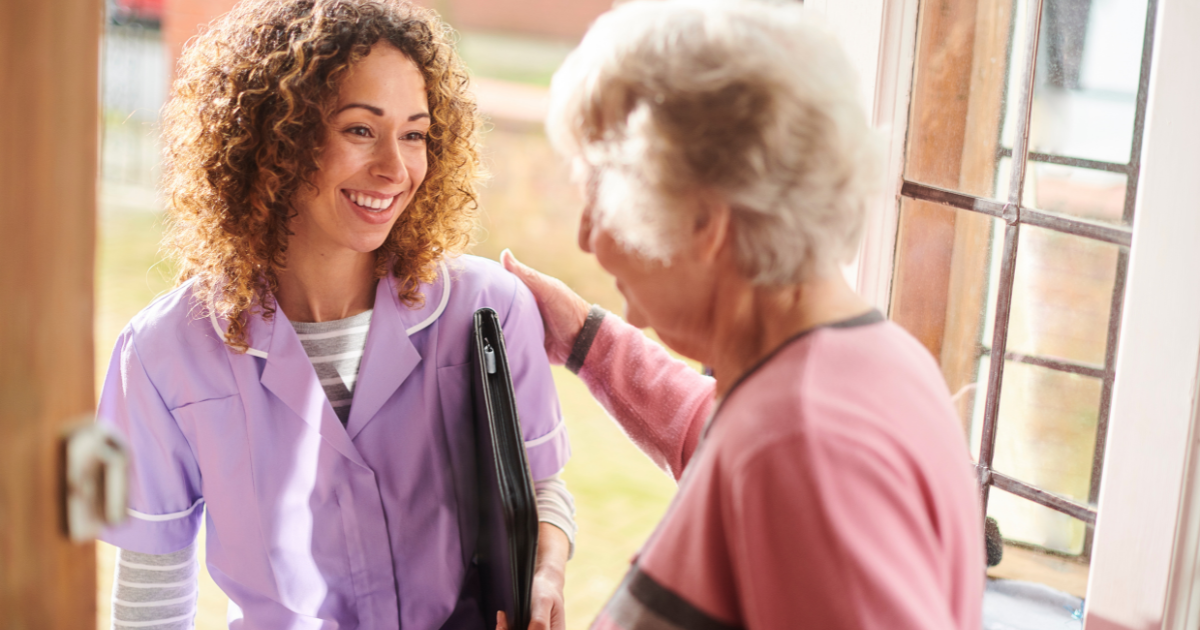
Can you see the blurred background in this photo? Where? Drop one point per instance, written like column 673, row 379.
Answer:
column 512, row 48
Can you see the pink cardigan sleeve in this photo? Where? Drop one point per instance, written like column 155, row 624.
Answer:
column 659, row 401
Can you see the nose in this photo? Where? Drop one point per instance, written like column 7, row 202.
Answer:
column 585, row 228
column 389, row 161
column 591, row 184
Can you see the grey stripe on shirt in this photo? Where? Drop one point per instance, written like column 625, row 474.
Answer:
column 335, row 349
column 156, row 591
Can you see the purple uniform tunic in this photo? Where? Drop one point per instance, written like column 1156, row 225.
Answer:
column 311, row 524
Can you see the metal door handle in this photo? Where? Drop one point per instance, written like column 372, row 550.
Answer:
column 96, row 480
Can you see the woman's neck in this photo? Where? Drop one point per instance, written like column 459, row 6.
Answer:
column 751, row 322
column 321, row 287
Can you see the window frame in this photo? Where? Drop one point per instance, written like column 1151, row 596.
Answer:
column 1145, row 570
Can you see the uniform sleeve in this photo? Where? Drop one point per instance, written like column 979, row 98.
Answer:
column 546, row 442
column 165, row 504
column 658, row 400
column 835, row 534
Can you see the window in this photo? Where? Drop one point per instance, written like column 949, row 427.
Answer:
column 1143, row 552
column 1019, row 186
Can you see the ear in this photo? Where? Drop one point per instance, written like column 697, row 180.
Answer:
column 713, row 228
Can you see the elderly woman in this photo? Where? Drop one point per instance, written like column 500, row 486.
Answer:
column 305, row 388
column 823, row 479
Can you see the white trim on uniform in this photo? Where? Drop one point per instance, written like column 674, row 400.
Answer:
column 441, row 305
column 546, row 438
column 164, row 517
column 421, row 326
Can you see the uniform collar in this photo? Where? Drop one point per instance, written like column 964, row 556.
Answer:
column 390, row 355
column 388, row 359
column 415, row 320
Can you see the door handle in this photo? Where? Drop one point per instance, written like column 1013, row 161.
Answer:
column 96, row 480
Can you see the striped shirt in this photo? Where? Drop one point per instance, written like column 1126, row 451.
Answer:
column 155, row 591
column 335, row 349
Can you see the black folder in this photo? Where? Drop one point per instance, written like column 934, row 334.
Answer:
column 508, row 529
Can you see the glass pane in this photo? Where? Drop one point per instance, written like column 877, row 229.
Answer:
column 1030, row 523
column 1062, row 295
column 1089, row 63
column 1046, row 432
column 1019, row 521
column 960, row 89
column 944, row 291
column 133, row 89
column 1079, row 192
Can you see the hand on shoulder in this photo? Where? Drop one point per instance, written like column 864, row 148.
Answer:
column 563, row 311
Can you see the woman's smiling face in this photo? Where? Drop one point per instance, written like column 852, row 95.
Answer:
column 373, row 159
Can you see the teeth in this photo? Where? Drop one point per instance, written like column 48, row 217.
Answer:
column 366, row 201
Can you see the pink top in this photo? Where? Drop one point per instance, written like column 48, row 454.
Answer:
column 833, row 489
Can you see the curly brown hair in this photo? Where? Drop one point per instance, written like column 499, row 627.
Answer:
column 243, row 132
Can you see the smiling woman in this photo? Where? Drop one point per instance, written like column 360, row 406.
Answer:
column 372, row 162
column 252, row 116
column 305, row 388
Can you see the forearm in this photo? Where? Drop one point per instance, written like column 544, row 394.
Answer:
column 660, row 401
column 552, row 553
column 155, row 591
column 549, row 576
column 556, row 507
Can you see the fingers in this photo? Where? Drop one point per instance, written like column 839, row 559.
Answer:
column 563, row 311
column 532, row 279
column 501, row 620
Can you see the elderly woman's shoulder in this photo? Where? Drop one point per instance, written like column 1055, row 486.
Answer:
column 846, row 381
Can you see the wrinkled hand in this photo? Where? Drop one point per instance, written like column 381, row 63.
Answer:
column 563, row 311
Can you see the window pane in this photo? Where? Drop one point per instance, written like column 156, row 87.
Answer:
column 960, row 90
column 1027, row 522
column 1062, row 295
column 1046, row 435
column 134, row 87
column 1080, row 192
column 1016, row 515
column 1089, row 62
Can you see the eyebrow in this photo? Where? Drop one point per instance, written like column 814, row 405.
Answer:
column 378, row 112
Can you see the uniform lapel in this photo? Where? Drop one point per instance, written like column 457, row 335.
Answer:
column 290, row 376
column 389, row 357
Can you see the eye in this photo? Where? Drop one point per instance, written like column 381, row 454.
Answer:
column 416, row 136
column 359, row 130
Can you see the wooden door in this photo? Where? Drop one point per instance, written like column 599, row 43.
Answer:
column 49, row 113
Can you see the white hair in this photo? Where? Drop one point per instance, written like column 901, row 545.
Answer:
column 753, row 101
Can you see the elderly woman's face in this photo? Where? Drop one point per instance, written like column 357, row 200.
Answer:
column 373, row 159
column 675, row 299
